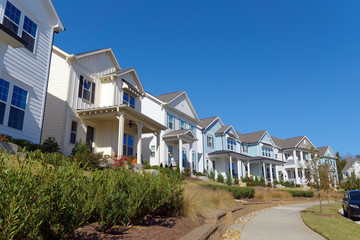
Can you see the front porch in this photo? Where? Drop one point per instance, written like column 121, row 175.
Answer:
column 267, row 167
column 118, row 130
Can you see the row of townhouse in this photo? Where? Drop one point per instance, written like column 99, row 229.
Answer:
column 89, row 97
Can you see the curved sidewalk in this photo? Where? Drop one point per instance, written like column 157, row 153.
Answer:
column 280, row 223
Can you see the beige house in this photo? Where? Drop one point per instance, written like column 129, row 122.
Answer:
column 90, row 98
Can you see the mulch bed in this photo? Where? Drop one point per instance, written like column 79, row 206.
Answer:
column 153, row 227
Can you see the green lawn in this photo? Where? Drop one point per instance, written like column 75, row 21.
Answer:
column 331, row 224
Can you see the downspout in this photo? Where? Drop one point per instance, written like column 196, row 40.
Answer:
column 47, row 85
column 203, row 147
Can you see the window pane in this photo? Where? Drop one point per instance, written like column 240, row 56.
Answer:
column 73, row 137
column 30, row 41
column 13, row 13
column 19, row 97
column 132, row 102
column 2, row 112
column 30, row 26
column 130, row 151
column 10, row 25
column 16, row 118
column 130, row 141
column 73, row 126
column 4, row 90
column 125, row 98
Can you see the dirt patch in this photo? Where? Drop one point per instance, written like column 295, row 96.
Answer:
column 152, row 227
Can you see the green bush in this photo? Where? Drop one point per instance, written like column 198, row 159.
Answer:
column 351, row 183
column 50, row 145
column 228, row 179
column 81, row 154
column 212, row 175
column 220, row 178
column 236, row 180
column 25, row 144
column 187, row 172
column 307, row 194
column 238, row 192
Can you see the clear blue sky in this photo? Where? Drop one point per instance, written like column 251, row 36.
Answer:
column 290, row 67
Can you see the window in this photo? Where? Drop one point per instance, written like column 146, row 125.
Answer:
column 4, row 91
column 29, row 33
column 182, row 125
column 73, row 132
column 245, row 148
column 152, row 149
column 207, row 165
column 231, row 144
column 171, row 120
column 128, row 147
column 287, row 155
column 266, row 152
column 86, row 89
column 275, row 155
column 193, row 160
column 17, row 109
column 210, row 141
column 193, row 129
column 213, row 165
column 12, row 18
column 128, row 100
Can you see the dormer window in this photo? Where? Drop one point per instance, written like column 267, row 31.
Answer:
column 245, row 148
column 12, row 17
column 171, row 121
column 182, row 125
column 231, row 144
column 86, row 89
column 128, row 100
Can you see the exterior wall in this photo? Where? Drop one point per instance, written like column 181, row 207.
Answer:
column 180, row 103
column 252, row 150
column 28, row 70
column 217, row 140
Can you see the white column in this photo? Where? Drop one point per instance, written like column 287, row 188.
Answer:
column 139, row 144
column 231, row 167
column 302, row 157
column 190, row 157
column 180, row 155
column 277, row 174
column 121, row 135
column 271, row 173
column 157, row 153
column 302, row 166
column 264, row 169
column 248, row 167
column 238, row 168
column 297, row 180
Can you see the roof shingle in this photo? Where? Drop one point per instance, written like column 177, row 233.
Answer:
column 205, row 122
column 167, row 97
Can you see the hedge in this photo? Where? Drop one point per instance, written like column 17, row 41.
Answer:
column 307, row 194
column 238, row 192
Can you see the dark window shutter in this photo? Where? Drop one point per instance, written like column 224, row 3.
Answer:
column 93, row 93
column 81, row 86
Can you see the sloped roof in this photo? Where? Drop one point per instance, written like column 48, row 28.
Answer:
column 223, row 129
column 349, row 164
column 287, row 143
column 253, row 137
column 169, row 96
column 322, row 150
column 205, row 122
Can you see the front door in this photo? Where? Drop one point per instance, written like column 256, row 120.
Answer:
column 90, row 136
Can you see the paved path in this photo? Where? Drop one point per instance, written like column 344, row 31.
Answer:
column 280, row 223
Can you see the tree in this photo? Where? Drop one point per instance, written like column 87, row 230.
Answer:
column 327, row 181
column 316, row 172
column 340, row 164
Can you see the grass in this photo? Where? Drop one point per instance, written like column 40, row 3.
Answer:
column 198, row 201
column 268, row 193
column 331, row 224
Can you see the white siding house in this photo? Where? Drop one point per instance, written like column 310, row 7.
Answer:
column 27, row 28
column 90, row 98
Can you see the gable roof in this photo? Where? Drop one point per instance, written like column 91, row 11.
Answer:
column 290, row 142
column 167, row 97
column 57, row 21
column 277, row 141
column 206, row 122
column 224, row 129
column 322, row 151
column 349, row 164
column 73, row 57
column 253, row 137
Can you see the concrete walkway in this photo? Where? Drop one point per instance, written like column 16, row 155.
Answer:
column 279, row 223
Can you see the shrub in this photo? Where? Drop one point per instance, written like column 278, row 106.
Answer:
column 238, row 192
column 50, row 145
column 212, row 175
column 228, row 179
column 220, row 178
column 351, row 183
column 25, row 144
column 269, row 184
column 81, row 154
column 187, row 172
column 236, row 181
column 307, row 194
column 81, row 148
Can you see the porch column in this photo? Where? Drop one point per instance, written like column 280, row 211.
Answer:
column 121, row 135
column 180, row 155
column 271, row 173
column 277, row 174
column 248, row 167
column 238, row 168
column 264, row 169
column 303, row 175
column 190, row 157
column 301, row 157
column 231, row 175
column 139, row 144
column 157, row 153
column 297, row 180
